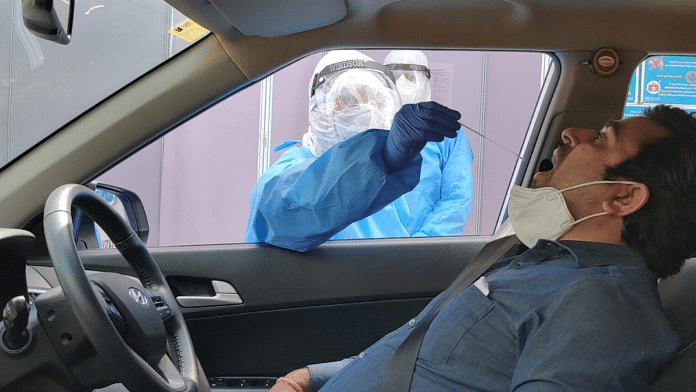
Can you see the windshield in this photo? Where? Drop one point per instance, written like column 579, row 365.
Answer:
column 44, row 85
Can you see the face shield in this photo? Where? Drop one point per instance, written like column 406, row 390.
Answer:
column 412, row 82
column 358, row 99
column 348, row 98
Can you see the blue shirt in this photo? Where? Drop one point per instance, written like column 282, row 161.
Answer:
column 562, row 316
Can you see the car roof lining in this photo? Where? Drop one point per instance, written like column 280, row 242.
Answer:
column 497, row 24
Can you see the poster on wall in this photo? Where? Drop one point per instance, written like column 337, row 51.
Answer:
column 441, row 82
column 669, row 80
column 637, row 110
column 632, row 97
column 633, row 111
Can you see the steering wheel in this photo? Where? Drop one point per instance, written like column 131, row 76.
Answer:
column 139, row 361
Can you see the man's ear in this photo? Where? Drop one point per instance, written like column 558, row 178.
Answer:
column 627, row 199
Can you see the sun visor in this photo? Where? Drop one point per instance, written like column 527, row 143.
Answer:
column 275, row 18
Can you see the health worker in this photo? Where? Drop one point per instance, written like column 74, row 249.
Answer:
column 360, row 155
column 441, row 202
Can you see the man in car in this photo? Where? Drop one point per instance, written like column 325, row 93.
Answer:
column 363, row 169
column 579, row 310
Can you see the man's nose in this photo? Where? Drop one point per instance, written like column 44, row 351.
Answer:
column 575, row 136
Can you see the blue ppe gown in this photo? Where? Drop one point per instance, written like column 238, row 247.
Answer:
column 303, row 200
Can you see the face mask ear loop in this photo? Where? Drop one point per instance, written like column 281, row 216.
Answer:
column 588, row 217
column 593, row 183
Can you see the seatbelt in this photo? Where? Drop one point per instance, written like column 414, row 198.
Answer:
column 402, row 365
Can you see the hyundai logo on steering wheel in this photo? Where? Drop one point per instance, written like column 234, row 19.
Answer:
column 138, row 296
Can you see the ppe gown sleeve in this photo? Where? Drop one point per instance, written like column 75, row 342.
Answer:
column 302, row 200
column 451, row 212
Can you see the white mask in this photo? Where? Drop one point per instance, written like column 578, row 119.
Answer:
column 413, row 89
column 542, row 213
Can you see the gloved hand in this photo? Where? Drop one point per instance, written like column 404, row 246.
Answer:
column 412, row 127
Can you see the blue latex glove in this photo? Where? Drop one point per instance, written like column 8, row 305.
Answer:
column 412, row 127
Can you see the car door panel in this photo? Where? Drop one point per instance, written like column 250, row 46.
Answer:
column 298, row 308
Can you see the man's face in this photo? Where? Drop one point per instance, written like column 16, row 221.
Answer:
column 586, row 153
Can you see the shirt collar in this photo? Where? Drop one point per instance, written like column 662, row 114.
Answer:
column 592, row 254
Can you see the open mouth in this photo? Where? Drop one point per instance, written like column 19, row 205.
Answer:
column 545, row 165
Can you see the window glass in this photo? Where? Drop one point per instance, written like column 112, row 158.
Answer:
column 44, row 85
column 197, row 180
column 662, row 80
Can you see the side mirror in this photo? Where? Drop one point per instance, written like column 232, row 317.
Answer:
column 41, row 18
column 88, row 235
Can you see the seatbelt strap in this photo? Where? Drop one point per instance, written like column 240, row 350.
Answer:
column 402, row 365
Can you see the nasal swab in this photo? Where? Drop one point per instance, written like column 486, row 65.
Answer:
column 492, row 141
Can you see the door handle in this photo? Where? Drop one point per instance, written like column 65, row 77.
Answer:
column 225, row 294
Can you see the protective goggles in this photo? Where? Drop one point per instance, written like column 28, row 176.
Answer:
column 408, row 70
column 349, row 64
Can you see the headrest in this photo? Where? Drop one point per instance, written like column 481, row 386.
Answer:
column 678, row 295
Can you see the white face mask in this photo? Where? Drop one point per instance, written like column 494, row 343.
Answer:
column 415, row 90
column 542, row 213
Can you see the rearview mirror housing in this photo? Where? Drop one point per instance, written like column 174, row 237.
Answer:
column 41, row 18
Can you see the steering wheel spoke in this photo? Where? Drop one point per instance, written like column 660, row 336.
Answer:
column 111, row 310
column 161, row 305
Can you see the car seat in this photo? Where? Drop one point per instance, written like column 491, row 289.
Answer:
column 678, row 295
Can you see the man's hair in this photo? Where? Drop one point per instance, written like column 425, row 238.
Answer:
column 664, row 229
